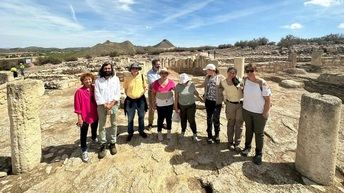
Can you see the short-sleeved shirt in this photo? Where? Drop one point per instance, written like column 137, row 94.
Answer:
column 152, row 76
column 254, row 96
column 186, row 93
column 164, row 94
column 232, row 93
column 135, row 86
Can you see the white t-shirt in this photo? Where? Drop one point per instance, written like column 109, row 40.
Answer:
column 254, row 97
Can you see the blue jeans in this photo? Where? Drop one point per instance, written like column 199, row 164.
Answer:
column 132, row 106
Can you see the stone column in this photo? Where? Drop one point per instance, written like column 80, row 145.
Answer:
column 316, row 152
column 316, row 58
column 239, row 64
column 292, row 59
column 23, row 98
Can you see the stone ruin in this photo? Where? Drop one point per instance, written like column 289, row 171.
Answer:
column 23, row 110
column 316, row 151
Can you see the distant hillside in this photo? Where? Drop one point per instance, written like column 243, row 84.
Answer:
column 164, row 44
column 111, row 48
column 40, row 49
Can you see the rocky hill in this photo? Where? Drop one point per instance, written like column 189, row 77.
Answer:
column 164, row 44
column 108, row 48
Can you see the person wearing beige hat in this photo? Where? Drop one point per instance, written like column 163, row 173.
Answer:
column 163, row 101
column 185, row 105
column 135, row 87
column 213, row 102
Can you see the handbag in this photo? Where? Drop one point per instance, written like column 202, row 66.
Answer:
column 175, row 117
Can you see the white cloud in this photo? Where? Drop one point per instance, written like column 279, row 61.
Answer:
column 34, row 15
column 323, row 3
column 341, row 26
column 185, row 11
column 222, row 18
column 294, row 26
column 73, row 13
column 104, row 6
column 126, row 4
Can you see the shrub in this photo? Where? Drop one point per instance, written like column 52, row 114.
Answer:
column 49, row 59
column 114, row 54
column 71, row 58
column 88, row 56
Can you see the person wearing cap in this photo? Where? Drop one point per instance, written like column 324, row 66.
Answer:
column 135, row 87
column 213, row 102
column 163, row 99
column 107, row 94
column 152, row 75
column 256, row 107
column 185, row 105
column 233, row 99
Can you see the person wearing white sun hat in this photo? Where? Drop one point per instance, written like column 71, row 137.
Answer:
column 185, row 105
column 213, row 101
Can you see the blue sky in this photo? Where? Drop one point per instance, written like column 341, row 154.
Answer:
column 74, row 23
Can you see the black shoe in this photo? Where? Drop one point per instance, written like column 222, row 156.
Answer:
column 257, row 159
column 209, row 140
column 217, row 140
column 143, row 135
column 245, row 151
column 129, row 137
column 113, row 149
column 102, row 151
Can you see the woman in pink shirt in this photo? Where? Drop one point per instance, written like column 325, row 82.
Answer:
column 163, row 99
column 86, row 109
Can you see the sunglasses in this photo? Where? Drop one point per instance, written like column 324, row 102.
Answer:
column 249, row 71
column 164, row 73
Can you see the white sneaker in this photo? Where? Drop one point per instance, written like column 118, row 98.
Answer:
column 160, row 137
column 84, row 156
column 195, row 138
column 169, row 136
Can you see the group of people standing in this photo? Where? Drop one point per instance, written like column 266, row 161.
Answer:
column 247, row 100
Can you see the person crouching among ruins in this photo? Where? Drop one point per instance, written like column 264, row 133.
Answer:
column 256, row 107
column 233, row 97
column 85, row 107
column 213, row 102
column 107, row 94
column 163, row 99
column 135, row 87
column 185, row 105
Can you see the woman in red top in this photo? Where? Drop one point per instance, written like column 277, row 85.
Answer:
column 86, row 109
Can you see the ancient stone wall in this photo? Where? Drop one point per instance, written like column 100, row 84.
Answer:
column 6, row 76
column 333, row 61
column 3, row 94
column 336, row 79
column 192, row 65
